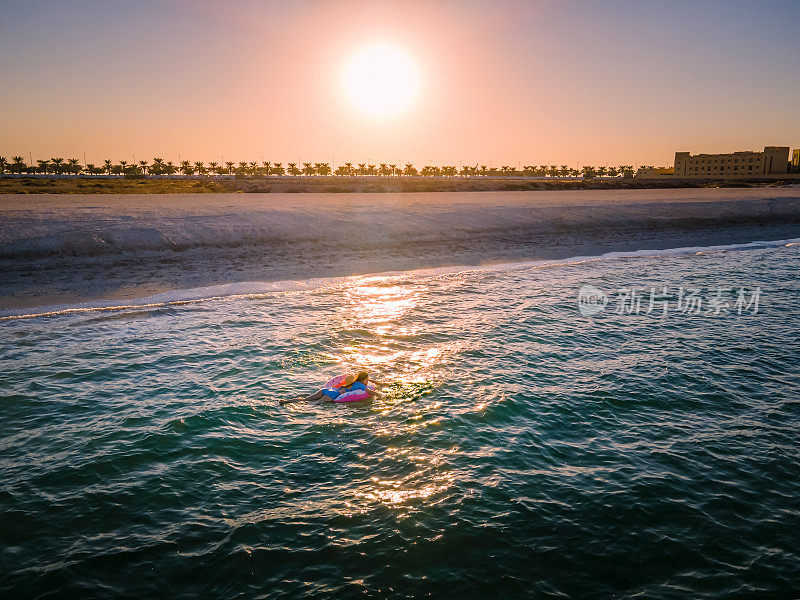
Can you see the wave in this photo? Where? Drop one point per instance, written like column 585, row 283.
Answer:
column 259, row 289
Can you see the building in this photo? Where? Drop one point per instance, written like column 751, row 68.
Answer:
column 796, row 161
column 646, row 172
column 774, row 160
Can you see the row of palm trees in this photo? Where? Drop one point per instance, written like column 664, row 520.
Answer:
column 161, row 168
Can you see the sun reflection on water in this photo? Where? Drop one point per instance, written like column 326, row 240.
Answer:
column 386, row 318
column 429, row 477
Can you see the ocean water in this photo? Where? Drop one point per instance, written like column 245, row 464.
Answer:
column 522, row 450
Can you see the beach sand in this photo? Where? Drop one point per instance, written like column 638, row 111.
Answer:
column 60, row 249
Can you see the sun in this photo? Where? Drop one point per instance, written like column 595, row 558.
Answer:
column 381, row 81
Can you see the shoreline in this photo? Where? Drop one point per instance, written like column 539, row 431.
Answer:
column 259, row 289
column 346, row 185
column 57, row 250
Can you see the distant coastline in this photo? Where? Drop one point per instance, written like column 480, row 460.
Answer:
column 90, row 185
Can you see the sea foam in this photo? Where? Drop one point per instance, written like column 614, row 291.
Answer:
column 261, row 289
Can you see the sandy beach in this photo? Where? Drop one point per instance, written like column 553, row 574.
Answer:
column 59, row 249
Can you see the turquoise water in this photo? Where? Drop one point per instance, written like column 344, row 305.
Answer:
column 522, row 450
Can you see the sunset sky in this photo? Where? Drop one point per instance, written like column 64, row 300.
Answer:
column 468, row 82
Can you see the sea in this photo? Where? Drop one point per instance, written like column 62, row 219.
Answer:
column 613, row 426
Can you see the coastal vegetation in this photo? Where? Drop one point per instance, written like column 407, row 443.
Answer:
column 161, row 168
column 68, row 176
column 126, row 185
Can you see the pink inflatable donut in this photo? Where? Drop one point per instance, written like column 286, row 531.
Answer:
column 354, row 395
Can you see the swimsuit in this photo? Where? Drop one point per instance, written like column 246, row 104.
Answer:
column 335, row 393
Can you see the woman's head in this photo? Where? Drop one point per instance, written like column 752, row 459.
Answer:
column 348, row 380
column 362, row 376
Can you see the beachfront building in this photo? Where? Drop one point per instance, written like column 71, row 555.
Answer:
column 645, row 172
column 796, row 161
column 774, row 160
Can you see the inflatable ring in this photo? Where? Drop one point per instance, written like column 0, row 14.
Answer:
column 355, row 395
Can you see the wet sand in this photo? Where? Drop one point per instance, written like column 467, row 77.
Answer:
column 60, row 249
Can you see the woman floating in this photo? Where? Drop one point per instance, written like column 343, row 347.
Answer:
column 344, row 388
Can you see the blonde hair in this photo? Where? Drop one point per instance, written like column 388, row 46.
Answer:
column 362, row 376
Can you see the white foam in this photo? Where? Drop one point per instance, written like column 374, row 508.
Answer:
column 261, row 289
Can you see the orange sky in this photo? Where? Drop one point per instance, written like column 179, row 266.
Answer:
column 501, row 83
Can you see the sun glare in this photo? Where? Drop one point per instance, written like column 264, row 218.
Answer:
column 381, row 81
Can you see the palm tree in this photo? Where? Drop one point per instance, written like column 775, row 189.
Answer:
column 601, row 171
column 74, row 166
column 588, row 172
column 200, row 167
column 308, row 170
column 277, row 169
column 409, row 170
column 323, row 169
column 229, row 166
column 169, row 168
column 58, row 165
column 612, row 171
column 293, row 170
column 384, row 170
column 394, row 170
column 3, row 164
column 123, row 164
column 107, row 166
column 143, row 166
column 17, row 165
column 186, row 167
column 372, row 170
column 158, row 167
column 267, row 165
